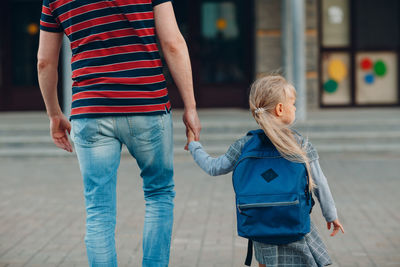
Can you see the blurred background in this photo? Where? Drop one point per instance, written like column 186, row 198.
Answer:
column 351, row 50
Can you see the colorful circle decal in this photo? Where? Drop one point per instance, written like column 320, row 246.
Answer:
column 369, row 78
column 366, row 64
column 331, row 86
column 380, row 68
column 337, row 70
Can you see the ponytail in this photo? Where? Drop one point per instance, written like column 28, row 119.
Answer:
column 265, row 94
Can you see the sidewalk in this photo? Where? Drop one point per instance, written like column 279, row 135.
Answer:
column 42, row 213
column 42, row 208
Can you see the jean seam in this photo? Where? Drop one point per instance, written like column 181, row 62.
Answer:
column 130, row 126
column 162, row 121
column 98, row 127
column 115, row 128
column 96, row 143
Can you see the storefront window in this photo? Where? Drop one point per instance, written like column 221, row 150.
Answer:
column 376, row 78
column 377, row 24
column 219, row 18
column 335, row 21
column 25, row 39
column 336, row 79
column 221, row 42
column 361, row 70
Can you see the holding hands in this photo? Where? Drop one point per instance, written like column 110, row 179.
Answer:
column 190, row 137
column 193, row 127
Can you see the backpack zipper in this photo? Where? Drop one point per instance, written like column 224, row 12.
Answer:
column 264, row 205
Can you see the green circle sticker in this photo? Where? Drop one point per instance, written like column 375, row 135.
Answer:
column 380, row 68
column 330, row 86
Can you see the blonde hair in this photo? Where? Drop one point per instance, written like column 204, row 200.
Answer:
column 265, row 94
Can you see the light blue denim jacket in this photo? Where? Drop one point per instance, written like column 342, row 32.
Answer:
column 225, row 163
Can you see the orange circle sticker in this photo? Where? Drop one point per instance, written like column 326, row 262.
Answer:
column 32, row 28
column 221, row 24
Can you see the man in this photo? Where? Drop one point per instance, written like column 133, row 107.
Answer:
column 119, row 97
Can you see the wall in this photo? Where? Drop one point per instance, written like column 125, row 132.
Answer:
column 268, row 56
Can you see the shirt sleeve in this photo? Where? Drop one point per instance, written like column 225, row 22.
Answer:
column 47, row 21
column 157, row 2
column 323, row 193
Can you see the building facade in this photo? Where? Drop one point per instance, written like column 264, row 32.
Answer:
column 352, row 50
column 19, row 38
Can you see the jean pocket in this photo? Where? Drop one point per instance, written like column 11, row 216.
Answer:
column 146, row 128
column 85, row 130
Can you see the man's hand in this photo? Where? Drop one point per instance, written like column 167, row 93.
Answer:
column 190, row 138
column 336, row 227
column 192, row 123
column 59, row 126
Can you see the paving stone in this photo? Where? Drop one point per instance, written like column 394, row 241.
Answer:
column 42, row 212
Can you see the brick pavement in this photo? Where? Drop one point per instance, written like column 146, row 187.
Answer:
column 42, row 213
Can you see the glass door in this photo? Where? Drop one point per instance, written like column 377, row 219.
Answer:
column 19, row 88
column 219, row 36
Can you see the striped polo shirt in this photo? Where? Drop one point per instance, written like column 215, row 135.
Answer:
column 116, row 65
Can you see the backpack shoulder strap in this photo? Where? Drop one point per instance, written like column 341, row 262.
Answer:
column 255, row 132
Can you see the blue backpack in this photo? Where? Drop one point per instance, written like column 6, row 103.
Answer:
column 273, row 203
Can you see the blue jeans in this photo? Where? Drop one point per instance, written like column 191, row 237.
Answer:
column 98, row 143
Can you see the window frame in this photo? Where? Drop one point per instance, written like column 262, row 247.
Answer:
column 352, row 50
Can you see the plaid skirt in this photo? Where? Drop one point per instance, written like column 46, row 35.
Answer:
column 309, row 251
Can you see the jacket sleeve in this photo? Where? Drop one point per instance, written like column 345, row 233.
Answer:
column 323, row 193
column 212, row 166
column 219, row 165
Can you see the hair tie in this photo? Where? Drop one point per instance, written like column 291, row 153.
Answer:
column 259, row 110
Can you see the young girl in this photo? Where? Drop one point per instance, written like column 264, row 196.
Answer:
column 272, row 103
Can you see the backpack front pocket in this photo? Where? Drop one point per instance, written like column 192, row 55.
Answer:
column 270, row 216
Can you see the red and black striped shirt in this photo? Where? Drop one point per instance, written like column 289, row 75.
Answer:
column 116, row 65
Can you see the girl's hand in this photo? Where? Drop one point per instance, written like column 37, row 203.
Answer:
column 190, row 137
column 336, row 227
